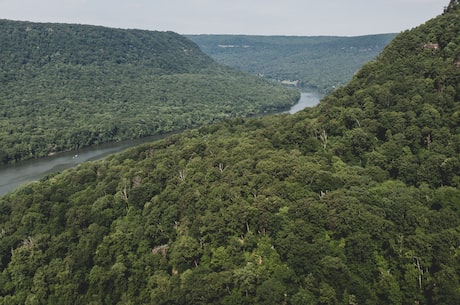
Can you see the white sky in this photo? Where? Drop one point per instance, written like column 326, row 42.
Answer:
column 252, row 17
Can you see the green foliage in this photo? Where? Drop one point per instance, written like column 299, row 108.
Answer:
column 318, row 63
column 355, row 201
column 69, row 86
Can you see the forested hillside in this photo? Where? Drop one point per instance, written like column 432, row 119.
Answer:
column 315, row 63
column 355, row 201
column 63, row 87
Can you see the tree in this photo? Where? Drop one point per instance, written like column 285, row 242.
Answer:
column 185, row 253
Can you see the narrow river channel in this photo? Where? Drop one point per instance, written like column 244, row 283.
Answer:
column 11, row 176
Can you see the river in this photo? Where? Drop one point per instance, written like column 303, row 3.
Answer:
column 307, row 99
column 11, row 176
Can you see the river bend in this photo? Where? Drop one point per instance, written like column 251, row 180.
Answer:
column 11, row 176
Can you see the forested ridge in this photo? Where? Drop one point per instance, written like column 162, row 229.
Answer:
column 355, row 201
column 318, row 63
column 66, row 86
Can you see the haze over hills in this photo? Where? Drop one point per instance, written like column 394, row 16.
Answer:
column 355, row 201
column 319, row 63
column 67, row 86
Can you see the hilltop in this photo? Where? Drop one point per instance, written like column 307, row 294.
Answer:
column 319, row 63
column 67, row 86
column 355, row 201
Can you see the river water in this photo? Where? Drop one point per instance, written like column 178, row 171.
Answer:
column 307, row 99
column 11, row 176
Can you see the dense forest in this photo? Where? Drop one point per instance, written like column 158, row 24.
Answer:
column 318, row 63
column 67, row 86
column 355, row 201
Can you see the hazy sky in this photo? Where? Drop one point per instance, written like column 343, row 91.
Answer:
column 262, row 17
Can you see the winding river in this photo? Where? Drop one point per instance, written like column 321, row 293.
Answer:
column 11, row 176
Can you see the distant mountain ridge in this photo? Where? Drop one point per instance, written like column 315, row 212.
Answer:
column 43, row 43
column 314, row 62
column 355, row 201
column 66, row 86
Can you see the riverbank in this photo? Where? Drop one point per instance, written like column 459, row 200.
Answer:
column 14, row 175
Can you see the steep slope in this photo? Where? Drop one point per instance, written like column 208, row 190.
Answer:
column 315, row 208
column 317, row 63
column 38, row 44
column 401, row 112
column 68, row 86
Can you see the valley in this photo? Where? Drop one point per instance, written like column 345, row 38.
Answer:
column 353, row 201
column 314, row 63
column 65, row 87
column 14, row 175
